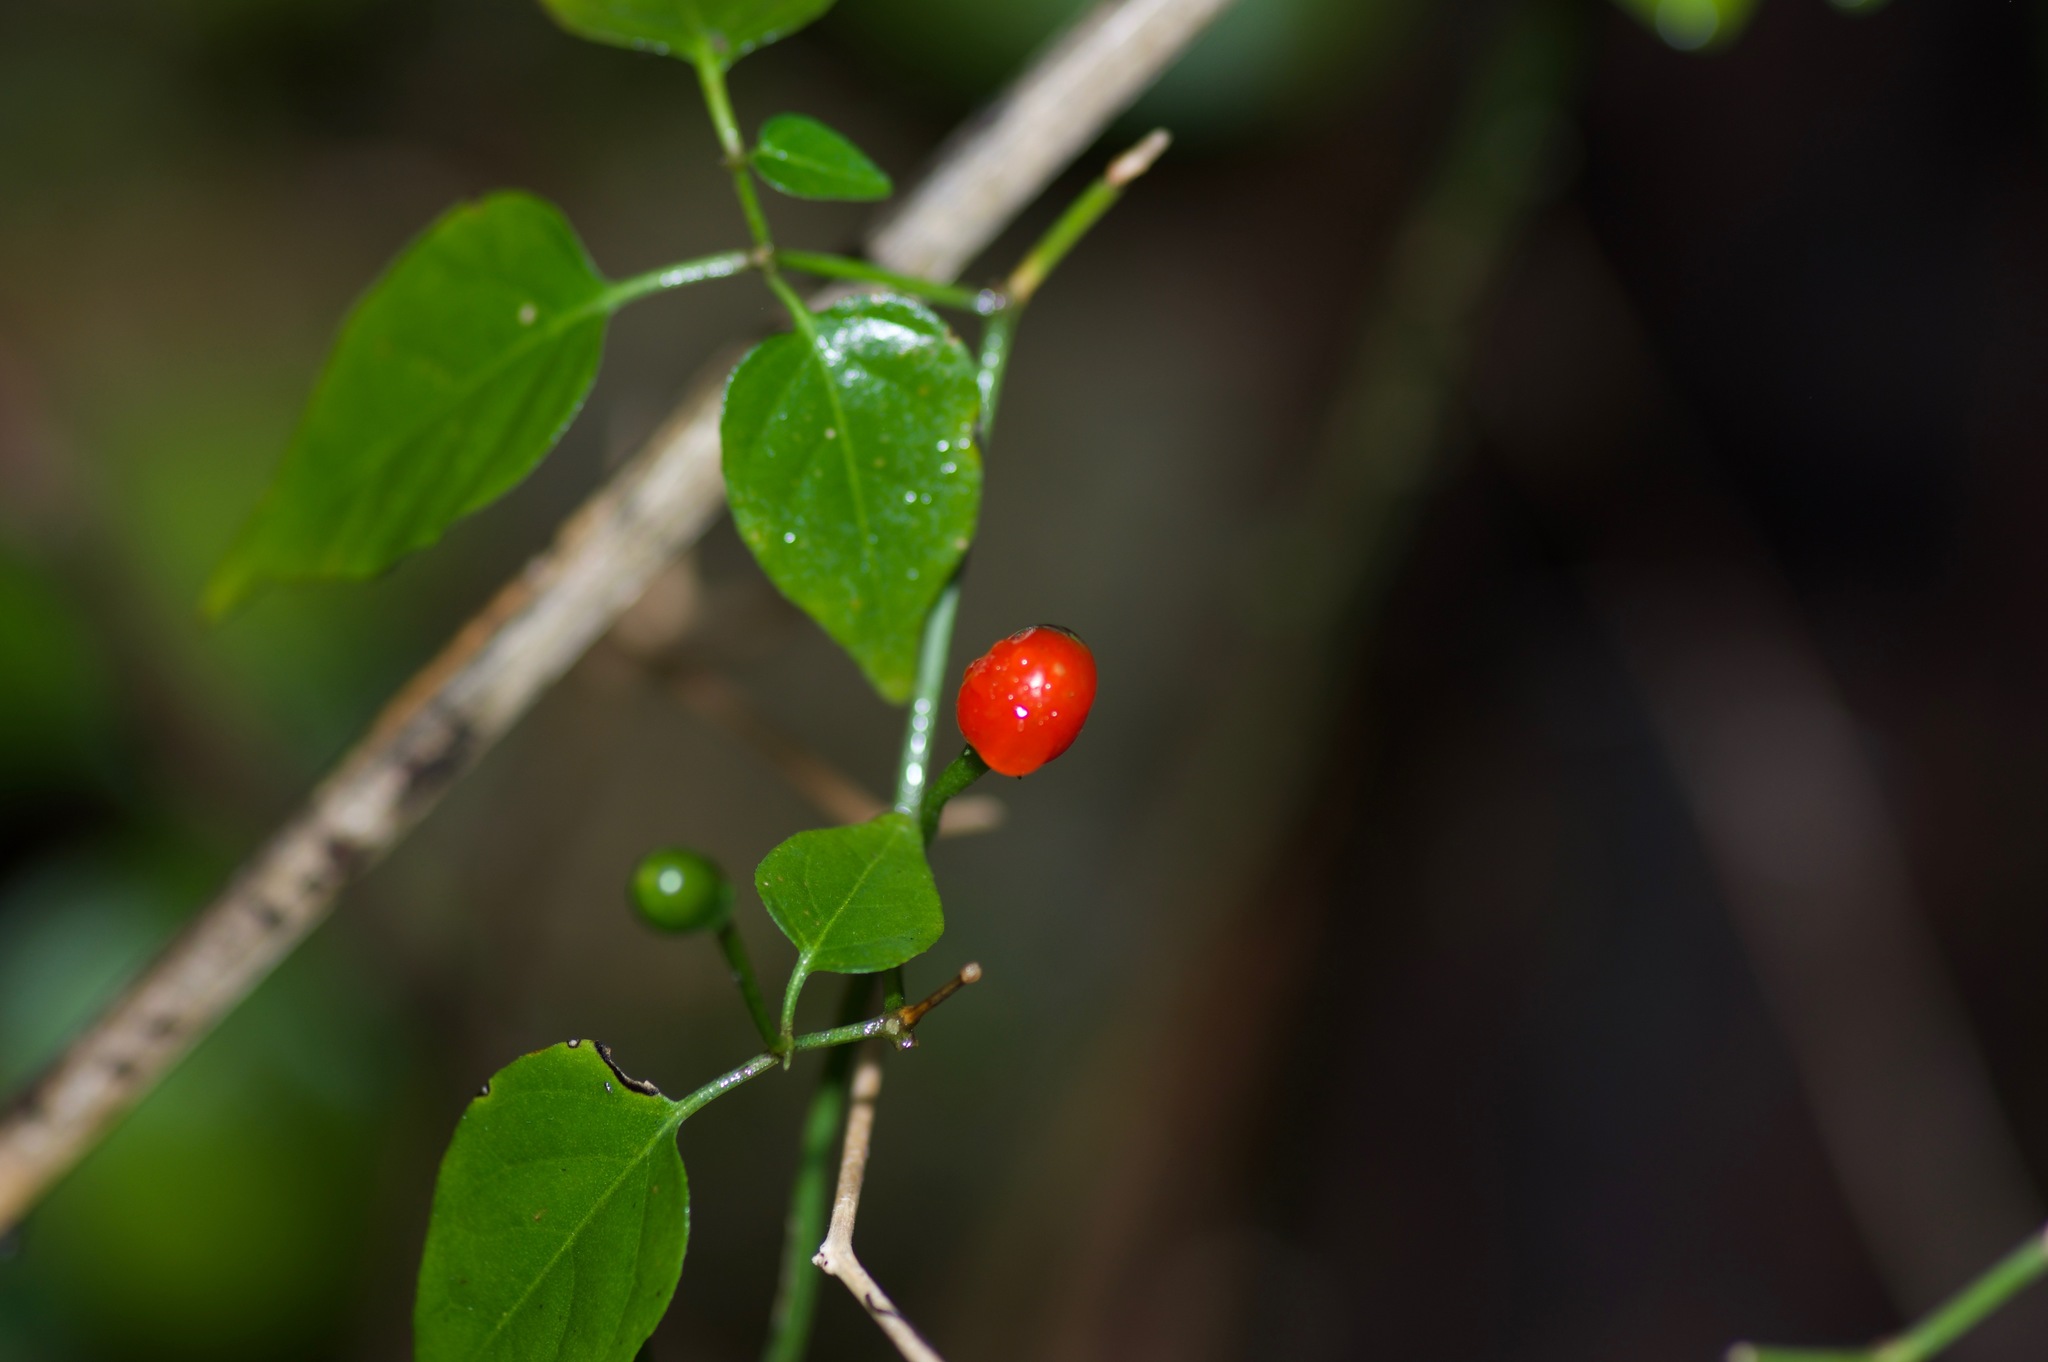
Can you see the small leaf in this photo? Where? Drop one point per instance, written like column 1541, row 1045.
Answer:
column 807, row 160
column 559, row 1221
column 854, row 900
column 720, row 30
column 852, row 474
column 452, row 377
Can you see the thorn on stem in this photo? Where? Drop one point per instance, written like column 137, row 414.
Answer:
column 909, row 1017
column 1139, row 158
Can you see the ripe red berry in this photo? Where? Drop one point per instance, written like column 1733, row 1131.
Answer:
column 1023, row 701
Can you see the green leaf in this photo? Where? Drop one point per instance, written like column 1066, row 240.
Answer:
column 854, row 900
column 559, row 1220
column 852, row 473
column 452, row 377
column 807, row 160
column 721, row 30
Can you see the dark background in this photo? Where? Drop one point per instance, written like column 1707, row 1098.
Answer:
column 1557, row 869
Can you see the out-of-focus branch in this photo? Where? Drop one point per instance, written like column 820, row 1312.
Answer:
column 995, row 164
column 537, row 626
column 1790, row 810
column 838, row 796
column 836, row 1255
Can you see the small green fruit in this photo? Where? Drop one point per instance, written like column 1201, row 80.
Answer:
column 678, row 890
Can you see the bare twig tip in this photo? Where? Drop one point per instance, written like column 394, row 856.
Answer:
column 1139, row 158
column 970, row 973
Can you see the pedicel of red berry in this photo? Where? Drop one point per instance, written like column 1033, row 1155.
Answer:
column 1023, row 702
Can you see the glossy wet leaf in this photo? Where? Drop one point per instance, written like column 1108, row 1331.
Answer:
column 804, row 158
column 452, row 377
column 559, row 1220
column 723, row 30
column 854, row 900
column 852, row 474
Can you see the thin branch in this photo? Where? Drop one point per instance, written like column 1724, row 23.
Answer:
column 1932, row 1336
column 717, row 700
column 836, row 1255
column 537, row 626
column 1046, row 119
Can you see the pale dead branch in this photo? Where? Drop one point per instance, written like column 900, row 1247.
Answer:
column 836, row 1255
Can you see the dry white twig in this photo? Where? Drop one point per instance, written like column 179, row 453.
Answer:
column 836, row 1255
column 537, row 626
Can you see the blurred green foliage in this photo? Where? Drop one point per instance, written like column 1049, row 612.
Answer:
column 56, row 700
column 225, row 1218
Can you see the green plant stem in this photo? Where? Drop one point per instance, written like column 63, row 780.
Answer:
column 723, row 1084
column 799, row 310
column 914, row 766
column 721, row 266
column 893, row 996
column 846, row 1033
column 718, row 102
column 960, row 773
column 796, row 1293
column 1957, row 1316
column 1080, row 215
column 750, row 989
column 995, row 362
column 790, row 1322
column 979, row 301
column 1040, row 261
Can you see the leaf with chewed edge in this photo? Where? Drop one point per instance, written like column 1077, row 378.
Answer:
column 560, row 1217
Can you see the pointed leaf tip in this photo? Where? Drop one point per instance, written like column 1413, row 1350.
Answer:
column 852, row 473
column 451, row 378
column 808, row 160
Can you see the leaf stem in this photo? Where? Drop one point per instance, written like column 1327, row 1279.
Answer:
column 895, row 1022
column 721, row 266
column 723, row 1084
column 750, row 989
column 718, row 102
column 796, row 1293
column 918, row 730
column 979, row 301
column 995, row 362
column 799, row 310
column 960, row 773
column 890, row 1023
column 1954, row 1318
column 1082, row 214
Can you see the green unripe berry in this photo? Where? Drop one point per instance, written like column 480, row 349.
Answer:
column 677, row 890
